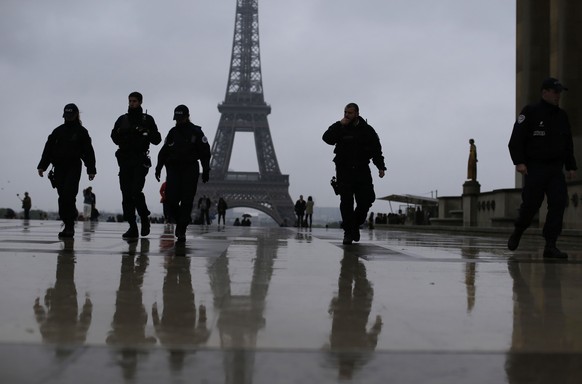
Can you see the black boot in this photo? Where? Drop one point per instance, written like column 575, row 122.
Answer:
column 513, row 241
column 68, row 231
column 180, row 233
column 356, row 234
column 348, row 239
column 132, row 232
column 551, row 252
column 145, row 226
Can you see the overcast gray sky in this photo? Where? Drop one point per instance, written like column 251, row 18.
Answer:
column 428, row 76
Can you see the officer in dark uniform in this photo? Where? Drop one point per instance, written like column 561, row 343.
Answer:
column 356, row 143
column 541, row 146
column 66, row 146
column 183, row 147
column 133, row 132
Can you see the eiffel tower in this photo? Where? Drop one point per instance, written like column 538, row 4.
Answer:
column 244, row 110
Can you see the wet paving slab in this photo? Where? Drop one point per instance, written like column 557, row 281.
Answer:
column 281, row 305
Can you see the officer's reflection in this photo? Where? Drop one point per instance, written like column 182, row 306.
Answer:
column 177, row 327
column 539, row 326
column 58, row 320
column 350, row 342
column 130, row 317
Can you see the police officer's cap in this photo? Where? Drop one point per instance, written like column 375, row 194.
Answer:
column 70, row 110
column 181, row 111
column 553, row 83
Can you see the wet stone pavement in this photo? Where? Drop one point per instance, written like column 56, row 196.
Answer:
column 280, row 305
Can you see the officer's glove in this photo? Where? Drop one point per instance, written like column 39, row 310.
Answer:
column 158, row 174
column 205, row 175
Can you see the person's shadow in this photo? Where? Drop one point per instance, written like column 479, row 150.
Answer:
column 59, row 320
column 177, row 328
column 351, row 343
column 130, row 317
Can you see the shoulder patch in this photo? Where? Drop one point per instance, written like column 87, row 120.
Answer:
column 520, row 119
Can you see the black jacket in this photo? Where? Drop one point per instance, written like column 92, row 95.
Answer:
column 355, row 145
column 134, row 131
column 67, row 143
column 183, row 147
column 542, row 134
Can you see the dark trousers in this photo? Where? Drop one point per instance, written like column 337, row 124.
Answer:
column 355, row 184
column 549, row 181
column 181, row 185
column 205, row 216
column 67, row 178
column 131, row 181
column 300, row 216
column 222, row 215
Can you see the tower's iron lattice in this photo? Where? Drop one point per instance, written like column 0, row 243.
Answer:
column 244, row 110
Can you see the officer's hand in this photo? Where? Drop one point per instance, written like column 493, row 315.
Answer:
column 205, row 176
column 570, row 175
column 521, row 168
column 158, row 174
column 40, row 172
column 381, row 173
column 91, row 177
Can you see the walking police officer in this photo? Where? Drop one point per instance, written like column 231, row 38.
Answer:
column 356, row 143
column 133, row 132
column 541, row 146
column 66, row 146
column 184, row 145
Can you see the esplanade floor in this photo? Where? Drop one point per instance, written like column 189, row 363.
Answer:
column 279, row 305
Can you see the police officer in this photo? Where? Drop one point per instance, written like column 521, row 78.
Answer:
column 133, row 132
column 541, row 146
column 66, row 146
column 356, row 143
column 184, row 145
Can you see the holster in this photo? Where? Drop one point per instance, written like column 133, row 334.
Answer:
column 334, row 185
column 51, row 177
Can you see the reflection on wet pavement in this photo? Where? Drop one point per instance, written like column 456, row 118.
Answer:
column 279, row 305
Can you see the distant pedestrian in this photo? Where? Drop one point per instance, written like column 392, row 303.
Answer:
column 300, row 207
column 183, row 147
column 309, row 211
column 94, row 211
column 204, row 205
column 26, row 205
column 88, row 203
column 371, row 220
column 164, row 202
column 66, row 146
column 133, row 132
column 221, row 208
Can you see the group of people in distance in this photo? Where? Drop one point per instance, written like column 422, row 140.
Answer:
column 304, row 212
column 69, row 145
column 541, row 146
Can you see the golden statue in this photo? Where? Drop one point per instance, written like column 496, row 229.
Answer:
column 472, row 166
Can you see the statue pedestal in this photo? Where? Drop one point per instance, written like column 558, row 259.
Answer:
column 471, row 191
